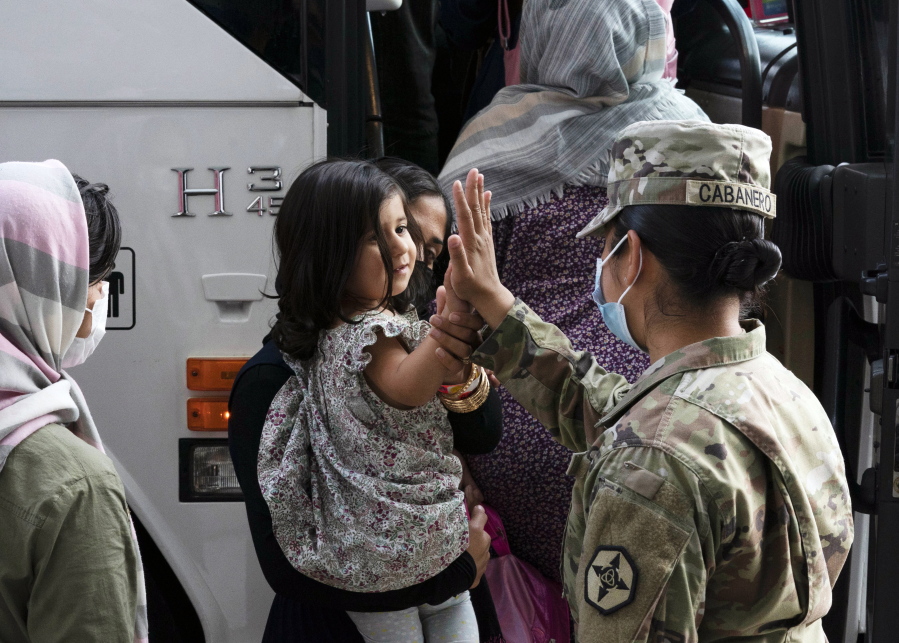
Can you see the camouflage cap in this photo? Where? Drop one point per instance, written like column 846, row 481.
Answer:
column 690, row 163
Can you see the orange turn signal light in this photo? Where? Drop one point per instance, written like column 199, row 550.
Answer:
column 207, row 414
column 213, row 373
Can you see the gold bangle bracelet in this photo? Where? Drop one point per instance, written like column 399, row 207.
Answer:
column 475, row 372
column 472, row 402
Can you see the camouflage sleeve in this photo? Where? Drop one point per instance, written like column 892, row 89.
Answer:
column 566, row 390
column 642, row 573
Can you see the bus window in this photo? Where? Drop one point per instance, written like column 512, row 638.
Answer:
column 287, row 34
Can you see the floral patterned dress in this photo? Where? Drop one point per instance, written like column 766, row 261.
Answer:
column 363, row 496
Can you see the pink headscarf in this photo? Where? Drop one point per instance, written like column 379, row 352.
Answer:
column 671, row 59
column 44, row 263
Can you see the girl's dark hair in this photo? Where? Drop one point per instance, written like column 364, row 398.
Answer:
column 326, row 213
column 416, row 182
column 104, row 231
column 708, row 252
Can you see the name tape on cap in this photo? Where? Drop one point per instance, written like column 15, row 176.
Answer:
column 734, row 195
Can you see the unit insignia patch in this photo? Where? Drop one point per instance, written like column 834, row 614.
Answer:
column 611, row 579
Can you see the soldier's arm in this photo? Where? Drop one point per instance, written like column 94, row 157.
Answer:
column 566, row 390
column 647, row 550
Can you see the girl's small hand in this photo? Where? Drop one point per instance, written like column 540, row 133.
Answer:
column 452, row 350
column 473, row 263
column 457, row 339
column 448, row 301
column 457, row 318
column 453, row 304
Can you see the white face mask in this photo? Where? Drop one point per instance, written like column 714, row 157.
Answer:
column 82, row 347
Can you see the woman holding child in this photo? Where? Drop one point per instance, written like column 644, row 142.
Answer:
column 331, row 227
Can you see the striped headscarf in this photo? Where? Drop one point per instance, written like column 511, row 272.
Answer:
column 588, row 69
column 44, row 274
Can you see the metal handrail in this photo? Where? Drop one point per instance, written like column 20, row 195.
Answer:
column 750, row 63
column 374, row 122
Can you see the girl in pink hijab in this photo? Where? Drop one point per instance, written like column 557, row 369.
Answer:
column 69, row 563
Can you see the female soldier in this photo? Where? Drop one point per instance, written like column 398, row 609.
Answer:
column 710, row 499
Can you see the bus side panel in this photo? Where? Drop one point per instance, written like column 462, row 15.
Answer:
column 135, row 383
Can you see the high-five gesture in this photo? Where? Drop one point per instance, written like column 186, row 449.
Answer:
column 474, row 275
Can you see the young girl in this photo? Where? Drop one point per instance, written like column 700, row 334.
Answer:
column 355, row 461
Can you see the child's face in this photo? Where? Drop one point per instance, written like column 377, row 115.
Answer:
column 368, row 283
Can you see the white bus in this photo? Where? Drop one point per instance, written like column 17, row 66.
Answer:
column 198, row 126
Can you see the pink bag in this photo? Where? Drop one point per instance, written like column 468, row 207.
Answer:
column 511, row 57
column 530, row 607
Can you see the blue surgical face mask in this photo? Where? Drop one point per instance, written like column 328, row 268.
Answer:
column 613, row 311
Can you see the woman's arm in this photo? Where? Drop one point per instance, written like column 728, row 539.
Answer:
column 467, row 484
column 478, row 431
column 647, row 550
column 85, row 582
column 566, row 390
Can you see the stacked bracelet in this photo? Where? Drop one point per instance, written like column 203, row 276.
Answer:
column 463, row 403
column 456, row 389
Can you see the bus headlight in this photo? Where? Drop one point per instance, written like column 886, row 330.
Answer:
column 206, row 471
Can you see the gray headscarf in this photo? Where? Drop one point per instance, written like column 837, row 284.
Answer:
column 588, row 69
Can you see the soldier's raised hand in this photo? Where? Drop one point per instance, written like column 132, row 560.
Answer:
column 474, row 275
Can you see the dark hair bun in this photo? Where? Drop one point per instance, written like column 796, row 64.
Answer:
column 746, row 264
column 86, row 188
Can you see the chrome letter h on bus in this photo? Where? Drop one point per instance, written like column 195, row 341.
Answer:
column 218, row 191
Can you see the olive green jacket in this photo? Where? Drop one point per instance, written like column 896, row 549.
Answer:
column 68, row 561
column 710, row 499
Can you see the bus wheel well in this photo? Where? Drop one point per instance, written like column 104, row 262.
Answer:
column 171, row 618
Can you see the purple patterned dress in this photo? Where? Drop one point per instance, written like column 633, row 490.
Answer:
column 541, row 262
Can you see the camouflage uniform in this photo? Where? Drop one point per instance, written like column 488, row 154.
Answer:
column 717, row 474
column 710, row 498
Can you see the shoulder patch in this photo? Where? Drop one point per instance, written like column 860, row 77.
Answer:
column 611, row 579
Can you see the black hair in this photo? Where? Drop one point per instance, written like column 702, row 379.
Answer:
column 104, row 231
column 416, row 182
column 325, row 214
column 708, row 252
